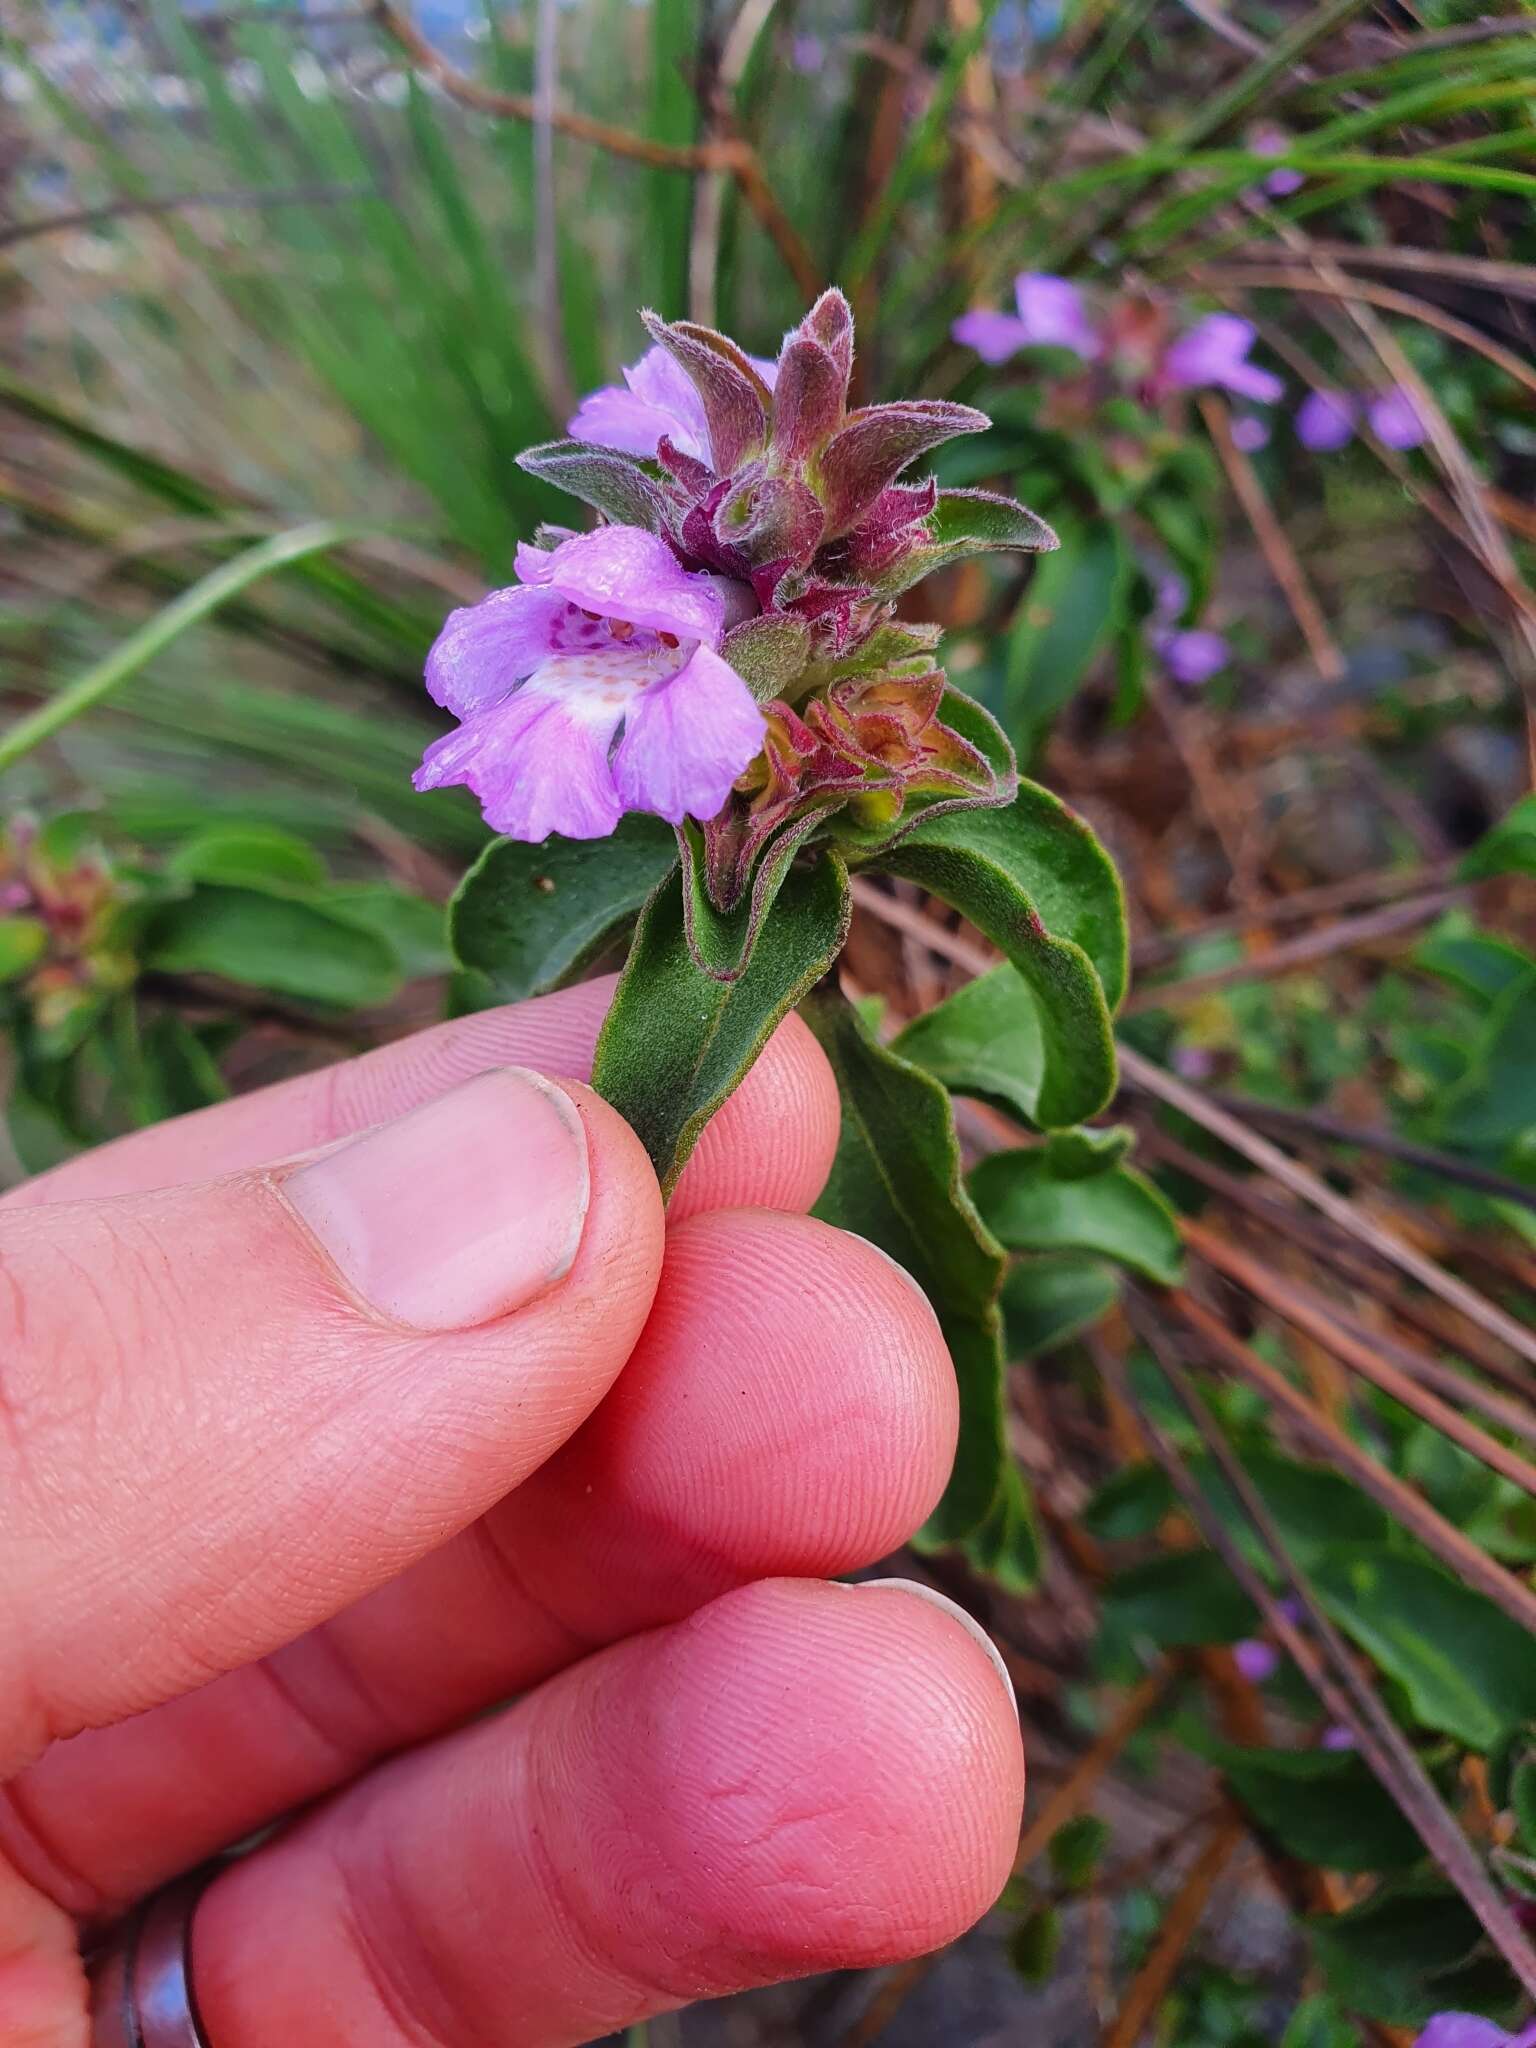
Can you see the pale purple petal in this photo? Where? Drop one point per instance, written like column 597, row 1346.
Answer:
column 1275, row 142
column 1395, row 419
column 662, row 383
column 1325, row 421
column 538, row 763
column 807, row 54
column 994, row 336
column 687, row 739
column 615, row 418
column 1337, row 1737
column 1462, row 2030
column 1053, row 314
column 485, row 648
column 623, row 572
column 1192, row 656
column 1172, row 594
column 1215, row 351
column 1256, row 1661
column 1250, row 433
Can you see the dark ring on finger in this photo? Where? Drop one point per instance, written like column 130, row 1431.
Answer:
column 141, row 1976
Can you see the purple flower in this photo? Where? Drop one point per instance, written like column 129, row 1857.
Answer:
column 1336, row 1737
column 1256, row 1661
column 1194, row 1062
column 1215, row 351
column 1467, row 2030
column 605, row 631
column 1191, row 655
column 1051, row 314
column 1275, row 142
column 657, row 397
column 1395, row 419
column 1250, row 433
column 807, row 53
column 1325, row 420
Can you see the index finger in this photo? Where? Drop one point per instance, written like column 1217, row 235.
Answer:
column 769, row 1147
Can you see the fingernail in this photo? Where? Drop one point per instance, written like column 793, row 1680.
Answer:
column 461, row 1210
column 968, row 1622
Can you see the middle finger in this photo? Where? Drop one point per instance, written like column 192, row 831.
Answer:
column 790, row 1409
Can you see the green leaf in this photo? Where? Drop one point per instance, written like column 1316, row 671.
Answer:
column 1467, row 1669
column 23, row 942
column 963, row 524
column 204, row 598
column 1035, row 881
column 1509, row 848
column 1407, row 1953
column 413, row 927
column 1522, row 1797
column 1116, row 1214
column 529, row 917
column 1494, row 1102
column 1323, row 1806
column 601, row 477
column 1075, row 1850
column 1035, row 1944
column 676, row 1041
column 1129, row 1504
column 1084, row 1151
column 767, row 652
column 286, row 945
column 896, row 1181
column 1472, row 960
column 176, row 1071
column 247, row 856
column 985, row 1041
column 721, row 941
column 1188, row 1597
column 1318, row 2023
column 1006, row 1546
column 1074, row 603
column 1048, row 1301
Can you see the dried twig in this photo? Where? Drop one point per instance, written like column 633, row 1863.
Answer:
column 1306, row 1311
column 1340, row 937
column 1327, row 1663
column 1270, row 534
column 1146, row 1075
column 1295, row 908
column 1333, row 1131
column 1298, row 278
column 1455, row 1549
column 1181, row 1922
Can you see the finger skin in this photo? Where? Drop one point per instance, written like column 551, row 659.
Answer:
column 769, row 1147
column 211, row 1444
column 801, row 1777
column 745, row 1438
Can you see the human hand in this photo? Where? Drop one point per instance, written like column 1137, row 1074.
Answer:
column 304, row 1467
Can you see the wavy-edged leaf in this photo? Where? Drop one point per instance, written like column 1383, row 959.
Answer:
column 1049, row 1300
column 985, row 1041
column 291, row 945
column 677, row 1041
column 529, row 917
column 1322, row 1806
column 605, row 478
column 1117, row 1214
column 963, row 524
column 896, row 1180
column 1034, row 880
column 1467, row 1669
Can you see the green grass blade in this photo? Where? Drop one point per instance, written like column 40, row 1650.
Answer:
column 204, row 598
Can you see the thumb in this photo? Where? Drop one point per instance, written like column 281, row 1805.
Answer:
column 228, row 1409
